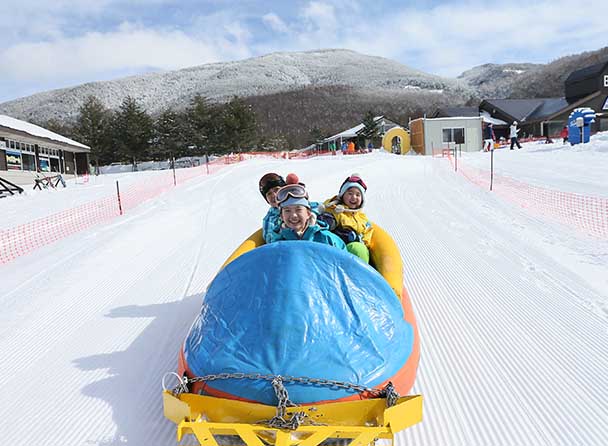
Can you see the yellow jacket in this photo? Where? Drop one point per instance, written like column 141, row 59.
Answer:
column 354, row 219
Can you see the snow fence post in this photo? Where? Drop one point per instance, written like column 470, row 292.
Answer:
column 118, row 194
column 491, row 166
column 174, row 180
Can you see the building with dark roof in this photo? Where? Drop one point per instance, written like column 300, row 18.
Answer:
column 586, row 81
column 531, row 114
column 587, row 87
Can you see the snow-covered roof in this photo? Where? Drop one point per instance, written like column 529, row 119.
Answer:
column 490, row 120
column 34, row 130
column 353, row 131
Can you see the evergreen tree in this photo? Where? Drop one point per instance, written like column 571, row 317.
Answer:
column 370, row 127
column 238, row 125
column 315, row 136
column 133, row 130
column 59, row 127
column 169, row 136
column 200, row 126
column 93, row 128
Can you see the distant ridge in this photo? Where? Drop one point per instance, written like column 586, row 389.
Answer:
column 269, row 74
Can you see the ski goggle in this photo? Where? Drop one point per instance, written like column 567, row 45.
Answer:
column 291, row 190
column 355, row 179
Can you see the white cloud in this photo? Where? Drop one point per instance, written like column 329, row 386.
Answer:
column 321, row 15
column 275, row 22
column 127, row 47
column 450, row 38
column 445, row 39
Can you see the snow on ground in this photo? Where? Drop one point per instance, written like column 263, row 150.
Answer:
column 34, row 204
column 581, row 168
column 512, row 309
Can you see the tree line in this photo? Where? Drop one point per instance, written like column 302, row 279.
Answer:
column 130, row 134
column 280, row 121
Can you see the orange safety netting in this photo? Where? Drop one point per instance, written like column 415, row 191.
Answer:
column 25, row 238
column 588, row 214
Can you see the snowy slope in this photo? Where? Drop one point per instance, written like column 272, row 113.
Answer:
column 512, row 309
column 272, row 73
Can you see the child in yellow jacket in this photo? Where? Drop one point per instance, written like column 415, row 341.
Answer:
column 346, row 219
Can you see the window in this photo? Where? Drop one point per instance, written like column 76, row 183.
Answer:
column 44, row 164
column 13, row 160
column 453, row 135
column 29, row 162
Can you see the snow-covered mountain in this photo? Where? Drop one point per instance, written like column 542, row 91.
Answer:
column 273, row 73
column 496, row 80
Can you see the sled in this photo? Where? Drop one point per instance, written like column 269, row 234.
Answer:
column 213, row 409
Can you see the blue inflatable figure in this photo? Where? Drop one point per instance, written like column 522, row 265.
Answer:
column 580, row 119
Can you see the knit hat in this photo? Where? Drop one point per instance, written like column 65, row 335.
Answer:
column 354, row 180
column 269, row 181
column 293, row 193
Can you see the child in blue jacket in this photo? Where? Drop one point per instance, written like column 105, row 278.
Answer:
column 271, row 225
column 298, row 220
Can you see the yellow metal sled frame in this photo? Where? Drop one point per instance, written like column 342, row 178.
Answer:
column 362, row 421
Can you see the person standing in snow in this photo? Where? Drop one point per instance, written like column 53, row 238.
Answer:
column 564, row 135
column 513, row 131
column 489, row 137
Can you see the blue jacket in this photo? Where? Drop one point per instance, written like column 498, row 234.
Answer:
column 271, row 225
column 317, row 232
column 488, row 133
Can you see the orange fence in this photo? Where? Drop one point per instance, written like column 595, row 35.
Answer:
column 588, row 214
column 25, row 238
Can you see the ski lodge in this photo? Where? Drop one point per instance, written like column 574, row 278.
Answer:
column 27, row 150
column 587, row 87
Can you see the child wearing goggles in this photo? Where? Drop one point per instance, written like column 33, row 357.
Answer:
column 346, row 219
column 298, row 220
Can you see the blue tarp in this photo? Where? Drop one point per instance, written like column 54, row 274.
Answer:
column 301, row 309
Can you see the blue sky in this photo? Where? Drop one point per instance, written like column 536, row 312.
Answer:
column 60, row 43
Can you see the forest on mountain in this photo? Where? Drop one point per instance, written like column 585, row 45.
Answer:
column 547, row 81
column 294, row 118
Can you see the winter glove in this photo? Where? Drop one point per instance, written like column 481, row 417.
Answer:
column 347, row 235
column 328, row 219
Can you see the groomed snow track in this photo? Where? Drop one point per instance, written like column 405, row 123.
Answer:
column 514, row 329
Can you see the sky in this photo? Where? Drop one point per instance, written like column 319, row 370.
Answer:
column 48, row 45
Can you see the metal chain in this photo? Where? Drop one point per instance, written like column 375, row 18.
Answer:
column 390, row 394
column 278, row 421
column 294, row 379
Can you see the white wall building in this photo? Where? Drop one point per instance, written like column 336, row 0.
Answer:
column 26, row 149
column 435, row 134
